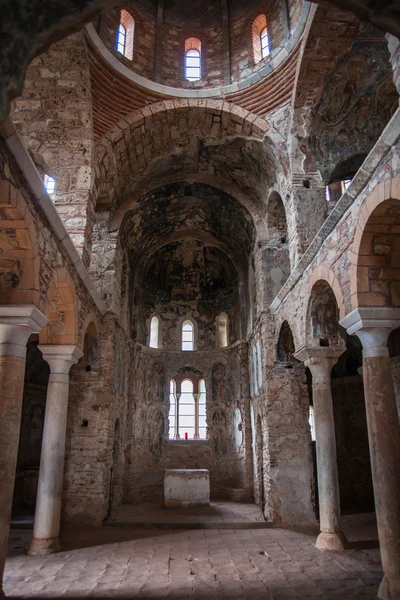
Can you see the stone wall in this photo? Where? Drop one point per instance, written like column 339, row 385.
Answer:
column 54, row 119
column 149, row 450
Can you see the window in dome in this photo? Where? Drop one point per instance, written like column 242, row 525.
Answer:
column 193, row 59
column 264, row 43
column 187, row 336
column 49, row 184
column 154, row 332
column 125, row 35
column 261, row 42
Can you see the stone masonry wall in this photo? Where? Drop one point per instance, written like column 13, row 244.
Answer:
column 149, row 451
column 54, row 119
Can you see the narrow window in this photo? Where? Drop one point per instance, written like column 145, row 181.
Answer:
column 264, row 43
column 222, row 331
column 187, row 411
column 154, row 332
column 49, row 184
column 261, row 43
column 172, row 411
column 311, row 422
column 125, row 35
column 193, row 59
column 187, row 336
column 202, row 424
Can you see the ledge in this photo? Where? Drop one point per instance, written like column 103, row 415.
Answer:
column 180, row 443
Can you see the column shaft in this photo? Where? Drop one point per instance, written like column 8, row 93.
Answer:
column 17, row 323
column 384, row 440
column 46, row 528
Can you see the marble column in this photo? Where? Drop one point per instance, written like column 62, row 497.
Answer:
column 46, row 528
column 17, row 323
column 320, row 361
column 373, row 326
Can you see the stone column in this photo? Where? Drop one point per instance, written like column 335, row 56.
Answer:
column 48, row 504
column 17, row 323
column 196, row 396
column 373, row 326
column 320, row 361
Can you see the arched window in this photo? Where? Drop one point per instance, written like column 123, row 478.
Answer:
column 49, row 184
column 222, row 331
column 264, row 42
column 193, row 59
column 187, row 411
column 311, row 421
column 187, row 335
column 125, row 35
column 154, row 323
column 261, row 43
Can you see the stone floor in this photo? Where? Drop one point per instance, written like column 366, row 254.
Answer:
column 234, row 564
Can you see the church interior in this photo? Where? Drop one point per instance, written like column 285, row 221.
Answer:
column 200, row 299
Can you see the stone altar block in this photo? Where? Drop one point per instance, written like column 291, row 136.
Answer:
column 186, row 487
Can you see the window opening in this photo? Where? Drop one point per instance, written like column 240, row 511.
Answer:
column 345, row 185
column 222, row 331
column 125, row 35
column 187, row 411
column 187, row 336
column 192, row 67
column 311, row 421
column 49, row 184
column 154, row 332
column 264, row 43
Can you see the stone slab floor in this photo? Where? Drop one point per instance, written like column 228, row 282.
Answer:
column 267, row 564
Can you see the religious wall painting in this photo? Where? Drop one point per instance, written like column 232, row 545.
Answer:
column 218, row 382
column 157, row 383
column 237, row 430
column 156, row 432
column 219, row 432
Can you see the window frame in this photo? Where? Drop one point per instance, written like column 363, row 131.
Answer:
column 265, row 47
column 196, row 54
column 121, row 32
column 187, row 341
column 177, row 402
column 49, row 185
column 156, row 329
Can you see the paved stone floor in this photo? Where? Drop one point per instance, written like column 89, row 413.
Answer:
column 253, row 564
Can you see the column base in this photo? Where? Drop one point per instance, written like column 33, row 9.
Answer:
column 336, row 542
column 41, row 547
column 389, row 588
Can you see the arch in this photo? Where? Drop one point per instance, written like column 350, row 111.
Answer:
column 154, row 333
column 276, row 254
column 222, row 330
column 285, row 347
column 91, row 346
column 383, row 200
column 125, row 35
column 60, row 309
column 187, row 335
column 324, row 273
column 322, row 319
column 20, row 262
column 260, row 38
column 193, row 59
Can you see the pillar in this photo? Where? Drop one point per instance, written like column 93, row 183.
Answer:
column 46, row 528
column 373, row 326
column 320, row 361
column 17, row 323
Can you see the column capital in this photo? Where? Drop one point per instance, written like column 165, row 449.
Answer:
column 17, row 323
column 373, row 325
column 319, row 359
column 60, row 357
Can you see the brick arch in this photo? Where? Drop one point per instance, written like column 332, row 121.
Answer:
column 385, row 192
column 61, row 310
column 151, row 132
column 90, row 320
column 20, row 260
column 321, row 275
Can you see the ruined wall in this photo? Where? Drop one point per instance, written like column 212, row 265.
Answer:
column 97, row 399
column 149, row 451
column 280, row 403
column 54, row 119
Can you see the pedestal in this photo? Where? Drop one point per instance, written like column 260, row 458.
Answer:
column 186, row 487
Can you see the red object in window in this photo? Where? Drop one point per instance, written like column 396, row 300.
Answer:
column 186, row 435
